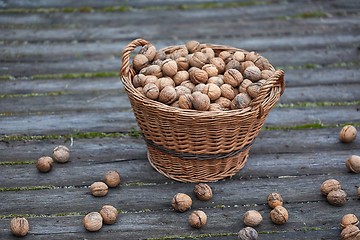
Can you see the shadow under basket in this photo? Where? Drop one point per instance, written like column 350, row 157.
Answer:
column 198, row 146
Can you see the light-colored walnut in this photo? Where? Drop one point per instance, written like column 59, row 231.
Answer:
column 233, row 77
column 140, row 61
column 180, row 77
column 219, row 64
column 243, row 86
column 192, row 46
column 198, row 60
column 239, row 56
column 168, row 95
column 216, row 80
column 138, row 80
column 181, row 90
column 210, row 69
column 169, row 67
column 223, row 102
column 182, row 63
column 200, row 101
column 185, row 101
column 188, row 84
column 265, row 74
column 198, row 76
column 253, row 89
column 165, row 81
column 227, row 91
column 226, row 56
column 153, row 70
column 149, row 51
column 212, row 90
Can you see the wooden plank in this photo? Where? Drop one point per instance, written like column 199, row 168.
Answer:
column 115, row 121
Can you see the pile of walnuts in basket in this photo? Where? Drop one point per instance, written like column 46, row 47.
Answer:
column 194, row 76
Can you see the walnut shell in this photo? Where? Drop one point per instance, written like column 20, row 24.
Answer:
column 165, row 81
column 198, row 60
column 44, row 164
column 219, row 64
column 212, row 90
column 93, row 221
column 168, row 95
column 199, row 87
column 200, row 101
column 242, row 100
column 140, row 90
column 252, row 56
column 138, row 80
column 182, row 63
column 253, row 89
column 274, row 199
column 347, row 134
column 109, row 214
column 227, row 91
column 351, row 232
column 210, row 69
column 263, row 64
column 232, row 64
column 149, row 51
column 329, row 185
column 265, row 74
column 203, row 191
column 198, row 76
column 244, row 85
column 181, row 90
column 252, row 218
column 153, row 70
column 192, row 46
column 185, row 101
column 233, row 77
column 353, row 163
column 19, row 226
column 226, row 56
column 151, row 91
column 197, row 219
column 140, row 61
column 169, row 67
column 160, row 55
column 180, row 77
column 151, row 79
column 209, row 53
column 216, row 80
column 181, row 202
column 61, row 154
column 112, row 178
column 337, row 197
column 188, row 84
column 248, row 233
column 215, row 107
column 223, row 102
column 279, row 215
column 182, row 52
column 253, row 73
column 246, row 64
column 239, row 56
column 349, row 219
column 157, row 62
column 99, row 189
column 175, row 104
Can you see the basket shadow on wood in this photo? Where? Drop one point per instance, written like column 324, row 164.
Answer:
column 198, row 146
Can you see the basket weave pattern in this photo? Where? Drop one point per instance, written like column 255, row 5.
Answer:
column 198, row 146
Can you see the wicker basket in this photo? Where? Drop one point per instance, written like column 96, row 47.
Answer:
column 198, row 146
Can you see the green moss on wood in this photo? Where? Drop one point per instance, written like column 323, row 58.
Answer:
column 317, row 104
column 32, row 188
column 18, row 163
column 54, row 93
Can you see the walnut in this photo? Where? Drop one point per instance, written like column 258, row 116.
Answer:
column 151, row 91
column 253, row 89
column 209, row 53
column 198, row 76
column 199, row 87
column 181, row 202
column 215, row 107
column 181, row 90
column 350, row 233
column 153, row 70
column 349, row 219
column 185, row 101
column 227, row 91
column 242, row 100
column 248, row 233
column 112, row 178
column 246, row 64
column 93, row 221
column 337, row 197
column 198, row 60
column 61, row 154
column 44, row 164
column 160, row 55
column 232, row 64
column 219, row 64
column 138, row 80
column 99, row 189
column 200, row 101
column 165, row 81
column 239, row 56
column 347, row 134
column 223, row 102
column 19, row 226
column 188, row 84
column 252, row 218
column 233, row 77
column 197, row 219
column 212, row 90
column 175, row 104
column 216, row 80
column 157, row 62
column 210, row 69
column 169, row 67
column 193, row 46
column 226, row 56
column 274, row 199
column 140, row 90
column 203, row 191
column 178, row 53
column 252, row 56
column 353, row 163
column 263, row 64
column 265, row 74
column 180, row 77
column 329, row 185
column 140, row 61
column 279, row 215
column 149, row 51
column 253, row 73
column 182, row 63
column 109, row 214
column 244, row 85
column 168, row 95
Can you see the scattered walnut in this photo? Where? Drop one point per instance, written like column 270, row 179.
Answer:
column 61, row 154
column 197, row 219
column 252, row 218
column 349, row 219
column 203, row 191
column 274, row 199
column 181, row 202
column 353, row 163
column 112, row 178
column 109, row 214
column 329, row 185
column 279, row 215
column 347, row 134
column 44, row 164
column 248, row 233
column 93, row 221
column 19, row 226
column 337, row 197
column 99, row 189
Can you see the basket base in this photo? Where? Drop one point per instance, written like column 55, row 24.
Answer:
column 196, row 170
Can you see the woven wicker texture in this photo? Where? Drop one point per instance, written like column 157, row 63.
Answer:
column 198, row 146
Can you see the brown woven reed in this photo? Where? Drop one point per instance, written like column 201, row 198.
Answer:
column 198, row 146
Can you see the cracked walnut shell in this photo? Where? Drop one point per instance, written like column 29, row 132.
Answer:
column 197, row 219
column 353, row 163
column 279, row 215
column 181, row 202
column 19, row 226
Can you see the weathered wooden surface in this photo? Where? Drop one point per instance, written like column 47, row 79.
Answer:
column 58, row 85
